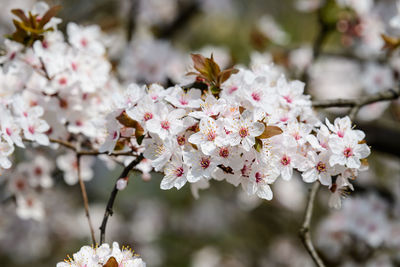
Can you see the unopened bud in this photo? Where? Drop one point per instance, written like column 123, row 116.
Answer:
column 122, row 183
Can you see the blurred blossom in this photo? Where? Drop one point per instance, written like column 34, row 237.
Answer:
column 206, row 257
column 68, row 163
column 147, row 61
column 335, row 78
column 307, row 5
column 290, row 194
column 209, row 216
column 246, row 202
column 285, row 252
column 156, row 12
column 263, row 62
column 361, row 7
column 371, row 29
column 217, row 7
column 363, row 218
column 373, row 111
column 152, row 253
column 301, row 58
column 147, row 222
column 272, row 30
column 377, row 78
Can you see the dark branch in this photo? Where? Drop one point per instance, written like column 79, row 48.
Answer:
column 186, row 12
column 113, row 195
column 85, row 198
column 305, row 229
column 390, row 94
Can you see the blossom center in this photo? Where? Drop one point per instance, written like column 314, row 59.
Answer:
column 258, row 177
column 38, row 171
column 115, row 134
column 224, row 152
column 288, row 99
column 8, row 131
column 84, row 42
column 183, row 101
column 296, row 136
column 181, row 140
column 348, row 152
column 211, row 134
column 62, row 81
column 321, row 167
column 205, row 163
column 148, row 116
column 340, row 134
column 31, row 129
column 243, row 132
column 256, row 96
column 165, row 125
column 179, row 172
column 285, row 160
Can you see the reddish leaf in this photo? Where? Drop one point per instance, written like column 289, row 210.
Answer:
column 49, row 14
column 225, row 74
column 198, row 61
column 20, row 14
column 112, row 262
column 270, row 131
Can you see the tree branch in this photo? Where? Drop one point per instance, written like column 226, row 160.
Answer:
column 186, row 12
column 305, row 229
column 85, row 198
column 356, row 104
column 113, row 195
column 93, row 152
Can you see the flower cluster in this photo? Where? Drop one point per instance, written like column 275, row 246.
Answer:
column 103, row 256
column 53, row 88
column 354, row 224
column 247, row 128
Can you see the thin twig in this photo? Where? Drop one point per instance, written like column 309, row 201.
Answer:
column 132, row 15
column 93, row 152
column 85, row 198
column 185, row 13
column 305, row 229
column 356, row 104
column 113, row 195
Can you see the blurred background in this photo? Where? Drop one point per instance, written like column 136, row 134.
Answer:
column 150, row 41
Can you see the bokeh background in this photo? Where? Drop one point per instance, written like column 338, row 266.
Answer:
column 224, row 226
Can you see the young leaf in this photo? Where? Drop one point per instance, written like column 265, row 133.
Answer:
column 112, row 262
column 49, row 14
column 270, row 131
column 20, row 14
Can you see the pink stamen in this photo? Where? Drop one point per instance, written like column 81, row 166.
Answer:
column 165, row 125
column 285, row 160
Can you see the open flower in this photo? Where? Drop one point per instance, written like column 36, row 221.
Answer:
column 209, row 136
column 348, row 151
column 175, row 173
column 202, row 166
column 243, row 130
